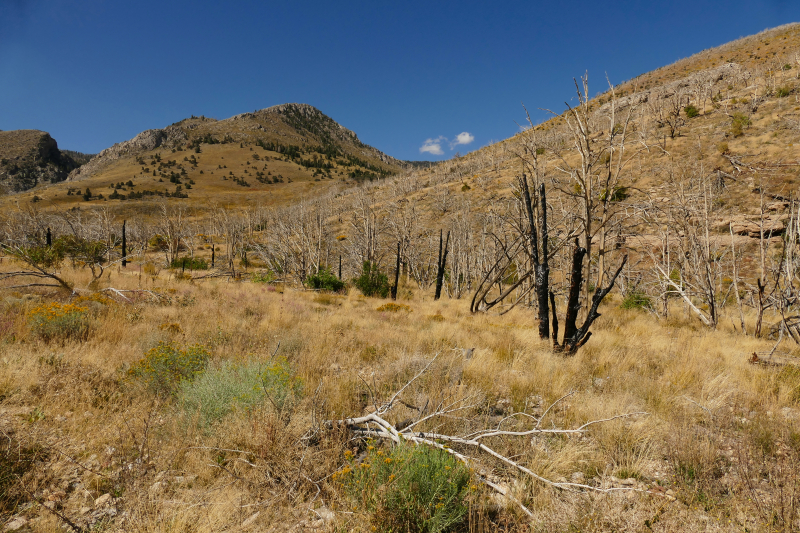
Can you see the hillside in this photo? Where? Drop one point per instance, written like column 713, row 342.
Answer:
column 31, row 157
column 269, row 156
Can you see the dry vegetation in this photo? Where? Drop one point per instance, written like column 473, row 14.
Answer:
column 717, row 449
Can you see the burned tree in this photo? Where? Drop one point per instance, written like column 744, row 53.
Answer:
column 441, row 265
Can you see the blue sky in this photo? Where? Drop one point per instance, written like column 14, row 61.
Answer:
column 407, row 77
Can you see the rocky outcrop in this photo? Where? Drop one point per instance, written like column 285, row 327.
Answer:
column 145, row 141
column 722, row 73
column 31, row 157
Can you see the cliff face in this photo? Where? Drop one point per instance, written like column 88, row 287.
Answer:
column 30, row 157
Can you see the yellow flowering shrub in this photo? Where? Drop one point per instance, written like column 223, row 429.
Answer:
column 58, row 322
column 166, row 366
column 408, row 488
column 392, row 307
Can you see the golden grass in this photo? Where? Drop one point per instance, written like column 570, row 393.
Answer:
column 713, row 419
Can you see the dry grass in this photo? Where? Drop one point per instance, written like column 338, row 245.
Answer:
column 721, row 434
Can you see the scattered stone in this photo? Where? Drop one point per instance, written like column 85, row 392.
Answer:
column 326, row 514
column 184, row 480
column 502, row 406
column 251, row 519
column 102, row 500
column 16, row 524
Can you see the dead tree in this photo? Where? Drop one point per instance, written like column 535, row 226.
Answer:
column 575, row 337
column 541, row 265
column 441, row 264
column 124, row 246
column 396, row 273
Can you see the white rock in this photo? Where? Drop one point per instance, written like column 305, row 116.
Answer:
column 17, row 523
column 102, row 500
column 250, row 520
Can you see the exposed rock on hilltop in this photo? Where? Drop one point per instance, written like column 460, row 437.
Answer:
column 147, row 140
column 28, row 157
column 287, row 125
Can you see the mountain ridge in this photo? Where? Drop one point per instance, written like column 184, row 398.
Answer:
column 298, row 123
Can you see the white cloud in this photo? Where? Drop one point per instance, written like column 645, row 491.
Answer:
column 462, row 138
column 433, row 146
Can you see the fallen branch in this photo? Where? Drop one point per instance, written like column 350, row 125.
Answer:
column 376, row 425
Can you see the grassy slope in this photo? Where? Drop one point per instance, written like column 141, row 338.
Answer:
column 713, row 422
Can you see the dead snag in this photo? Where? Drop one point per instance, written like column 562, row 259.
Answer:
column 396, row 273
column 124, row 246
column 575, row 337
column 540, row 267
column 441, row 265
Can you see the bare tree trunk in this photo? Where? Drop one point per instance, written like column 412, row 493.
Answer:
column 396, row 273
column 442, row 265
column 573, row 302
column 124, row 246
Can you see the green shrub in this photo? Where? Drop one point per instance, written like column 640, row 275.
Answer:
column 372, row 282
column 164, row 368
column 784, row 91
column 738, row 123
column 220, row 391
column 263, row 276
column 636, row 300
column 618, row 194
column 59, row 322
column 410, row 488
column 189, row 263
column 691, row 111
column 325, row 280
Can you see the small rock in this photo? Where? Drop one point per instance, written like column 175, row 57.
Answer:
column 670, row 492
column 502, row 406
column 598, row 382
column 628, row 482
column 158, row 487
column 577, row 477
column 17, row 523
column 102, row 500
column 50, row 505
column 631, row 495
column 85, row 510
column 184, row 480
column 251, row 519
column 326, row 514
